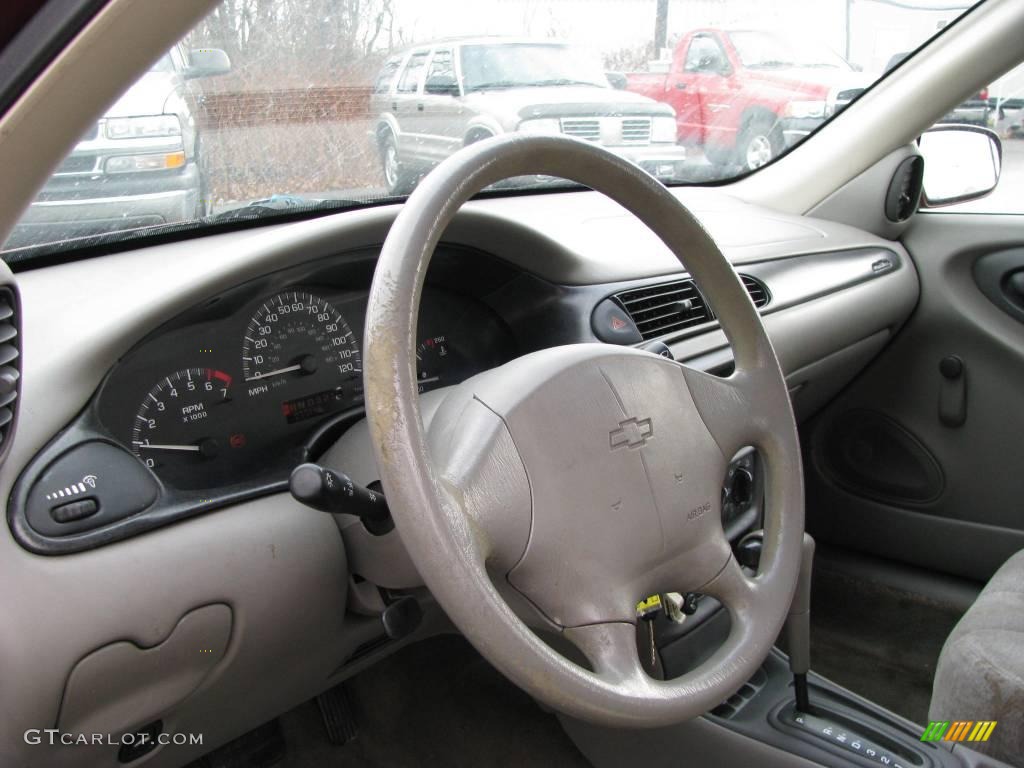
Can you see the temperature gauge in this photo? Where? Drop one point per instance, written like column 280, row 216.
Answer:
column 438, row 365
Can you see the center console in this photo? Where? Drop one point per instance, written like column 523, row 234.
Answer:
column 760, row 726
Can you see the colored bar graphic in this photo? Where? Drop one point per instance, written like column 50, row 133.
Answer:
column 935, row 731
column 958, row 730
column 982, row 730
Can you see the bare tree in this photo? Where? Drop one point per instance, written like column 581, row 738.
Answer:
column 264, row 36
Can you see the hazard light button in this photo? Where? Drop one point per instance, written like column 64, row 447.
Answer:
column 613, row 325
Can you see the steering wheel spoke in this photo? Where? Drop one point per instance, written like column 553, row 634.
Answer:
column 734, row 589
column 611, row 649
column 482, row 474
column 727, row 407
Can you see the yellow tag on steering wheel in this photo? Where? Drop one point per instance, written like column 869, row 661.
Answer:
column 649, row 607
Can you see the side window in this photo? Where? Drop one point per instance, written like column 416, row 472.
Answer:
column 411, row 76
column 442, row 65
column 704, row 55
column 386, row 76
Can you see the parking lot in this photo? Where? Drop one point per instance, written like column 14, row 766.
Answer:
column 1009, row 195
column 348, row 166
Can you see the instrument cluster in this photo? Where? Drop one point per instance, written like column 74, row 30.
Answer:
column 246, row 386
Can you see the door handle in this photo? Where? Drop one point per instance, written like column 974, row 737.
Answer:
column 680, row 86
column 419, row 107
column 1000, row 276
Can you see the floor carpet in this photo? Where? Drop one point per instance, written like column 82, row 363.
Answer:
column 880, row 642
column 438, row 703
column 435, row 703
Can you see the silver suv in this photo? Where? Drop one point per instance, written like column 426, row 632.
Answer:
column 434, row 99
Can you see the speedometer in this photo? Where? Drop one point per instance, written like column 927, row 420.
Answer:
column 299, row 343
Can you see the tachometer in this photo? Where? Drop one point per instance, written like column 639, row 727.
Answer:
column 179, row 424
column 294, row 336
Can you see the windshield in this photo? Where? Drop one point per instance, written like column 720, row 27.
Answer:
column 163, row 64
column 282, row 108
column 528, row 64
column 760, row 50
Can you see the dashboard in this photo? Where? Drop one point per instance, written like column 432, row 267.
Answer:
column 260, row 369
column 213, row 532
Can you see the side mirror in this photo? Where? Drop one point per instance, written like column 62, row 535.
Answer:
column 714, row 64
column 961, row 162
column 441, row 85
column 617, row 80
column 207, row 62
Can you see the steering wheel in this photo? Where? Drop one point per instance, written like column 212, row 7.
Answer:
column 583, row 477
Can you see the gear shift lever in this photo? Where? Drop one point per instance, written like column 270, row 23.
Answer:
column 798, row 623
column 798, row 627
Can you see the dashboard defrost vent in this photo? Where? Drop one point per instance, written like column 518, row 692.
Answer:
column 757, row 290
column 658, row 310
column 10, row 365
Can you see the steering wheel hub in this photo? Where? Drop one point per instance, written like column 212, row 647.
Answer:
column 623, row 476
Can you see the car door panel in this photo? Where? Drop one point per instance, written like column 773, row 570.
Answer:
column 919, row 459
column 697, row 76
column 443, row 116
column 408, row 107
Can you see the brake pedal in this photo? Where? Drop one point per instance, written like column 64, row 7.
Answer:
column 338, row 716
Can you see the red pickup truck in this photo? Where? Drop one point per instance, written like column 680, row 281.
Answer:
column 745, row 95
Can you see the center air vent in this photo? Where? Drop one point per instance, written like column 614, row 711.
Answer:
column 757, row 290
column 10, row 365
column 659, row 310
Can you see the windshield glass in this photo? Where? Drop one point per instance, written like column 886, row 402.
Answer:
column 271, row 108
column 762, row 49
column 163, row 64
column 528, row 65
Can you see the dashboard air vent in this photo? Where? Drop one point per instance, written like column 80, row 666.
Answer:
column 757, row 290
column 658, row 310
column 661, row 309
column 10, row 365
column 904, row 195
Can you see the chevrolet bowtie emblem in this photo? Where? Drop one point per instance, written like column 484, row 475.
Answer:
column 632, row 433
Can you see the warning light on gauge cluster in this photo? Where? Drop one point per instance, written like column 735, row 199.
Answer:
column 237, row 440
